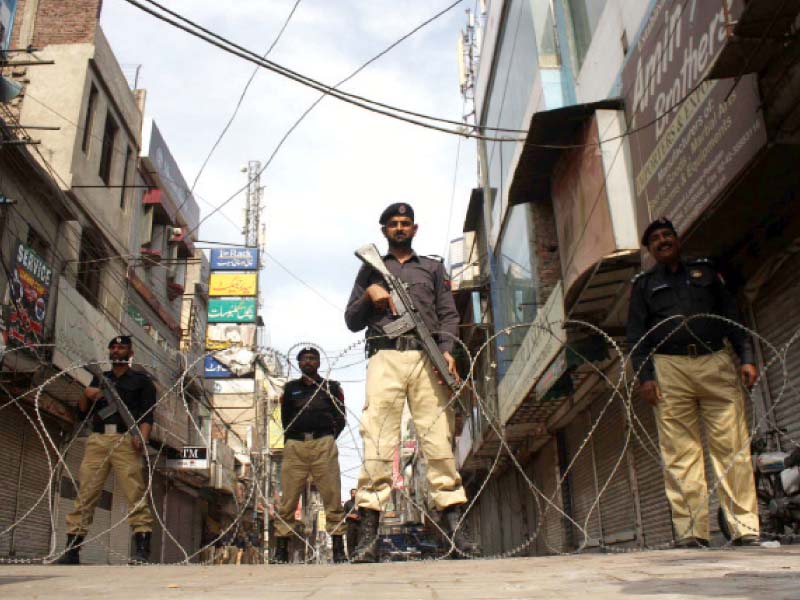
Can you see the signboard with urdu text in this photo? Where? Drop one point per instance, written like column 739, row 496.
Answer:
column 234, row 259
column 232, row 284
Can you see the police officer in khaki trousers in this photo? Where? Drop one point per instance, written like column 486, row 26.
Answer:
column 110, row 445
column 400, row 371
column 313, row 416
column 687, row 372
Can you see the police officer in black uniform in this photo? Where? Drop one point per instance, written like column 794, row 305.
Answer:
column 111, row 445
column 688, row 374
column 313, row 415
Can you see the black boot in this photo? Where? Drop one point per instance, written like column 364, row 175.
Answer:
column 338, row 549
column 141, row 553
column 367, row 549
column 72, row 551
column 281, row 555
column 465, row 546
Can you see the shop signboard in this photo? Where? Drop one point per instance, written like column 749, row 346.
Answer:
column 232, row 284
column 689, row 137
column 25, row 307
column 232, row 310
column 234, row 259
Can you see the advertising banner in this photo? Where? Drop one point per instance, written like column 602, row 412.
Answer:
column 232, row 310
column 690, row 137
column 212, row 368
column 232, row 284
column 234, row 259
column 275, row 429
column 26, row 301
column 222, row 336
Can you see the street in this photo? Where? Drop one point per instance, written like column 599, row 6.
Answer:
column 666, row 575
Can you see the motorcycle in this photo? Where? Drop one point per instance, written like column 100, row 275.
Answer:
column 777, row 481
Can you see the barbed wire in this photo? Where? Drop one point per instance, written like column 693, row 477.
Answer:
column 615, row 393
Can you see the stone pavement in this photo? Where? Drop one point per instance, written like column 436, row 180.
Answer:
column 741, row 573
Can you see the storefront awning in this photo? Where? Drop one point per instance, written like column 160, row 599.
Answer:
column 549, row 132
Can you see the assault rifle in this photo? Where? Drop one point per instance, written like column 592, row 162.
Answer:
column 408, row 318
column 114, row 403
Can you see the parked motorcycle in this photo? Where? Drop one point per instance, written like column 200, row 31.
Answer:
column 777, row 479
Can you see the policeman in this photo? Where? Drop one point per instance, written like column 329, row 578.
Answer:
column 686, row 372
column 353, row 523
column 111, row 445
column 313, row 415
column 398, row 370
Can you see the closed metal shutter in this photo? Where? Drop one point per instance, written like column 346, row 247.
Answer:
column 32, row 536
column 551, row 537
column 656, row 515
column 617, row 509
column 582, row 482
column 777, row 316
column 24, row 477
column 11, row 440
column 180, row 521
column 97, row 550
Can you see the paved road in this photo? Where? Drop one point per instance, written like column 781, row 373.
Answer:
column 742, row 573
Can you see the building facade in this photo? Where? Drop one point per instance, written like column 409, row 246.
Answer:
column 626, row 111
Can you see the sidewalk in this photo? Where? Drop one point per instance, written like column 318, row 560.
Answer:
column 742, row 573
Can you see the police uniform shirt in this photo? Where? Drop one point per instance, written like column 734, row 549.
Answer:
column 136, row 390
column 660, row 294
column 312, row 407
column 427, row 286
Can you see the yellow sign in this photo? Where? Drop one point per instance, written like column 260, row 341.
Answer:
column 232, row 284
column 275, row 430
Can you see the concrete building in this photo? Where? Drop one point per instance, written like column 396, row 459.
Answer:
column 625, row 118
column 116, row 259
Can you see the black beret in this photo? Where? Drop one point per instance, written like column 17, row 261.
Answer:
column 398, row 208
column 125, row 340
column 307, row 350
column 660, row 223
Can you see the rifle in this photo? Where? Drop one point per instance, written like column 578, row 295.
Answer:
column 408, row 318
column 114, row 403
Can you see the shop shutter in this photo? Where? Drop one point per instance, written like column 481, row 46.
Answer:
column 11, row 439
column 551, row 537
column 617, row 510
column 656, row 516
column 582, row 482
column 777, row 316
column 97, row 550
column 32, row 538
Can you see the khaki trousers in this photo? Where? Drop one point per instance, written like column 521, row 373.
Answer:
column 392, row 377
column 708, row 387
column 104, row 452
column 320, row 459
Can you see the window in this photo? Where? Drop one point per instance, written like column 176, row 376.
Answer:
column 583, row 16
column 89, row 120
column 37, row 242
column 107, row 153
column 124, row 188
column 546, row 40
column 89, row 269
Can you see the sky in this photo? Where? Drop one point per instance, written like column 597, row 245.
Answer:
column 338, row 170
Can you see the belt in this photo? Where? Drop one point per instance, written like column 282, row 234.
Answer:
column 693, row 350
column 307, row 437
column 402, row 343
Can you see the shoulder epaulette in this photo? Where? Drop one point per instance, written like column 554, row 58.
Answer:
column 435, row 257
column 637, row 276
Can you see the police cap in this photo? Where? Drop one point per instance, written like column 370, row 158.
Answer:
column 125, row 340
column 660, row 223
column 307, row 350
column 398, row 208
